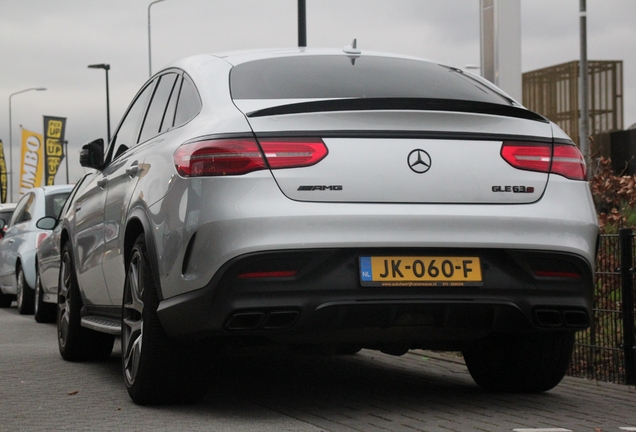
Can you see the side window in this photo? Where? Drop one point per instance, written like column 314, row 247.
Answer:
column 189, row 103
column 69, row 200
column 24, row 209
column 157, row 110
column 128, row 132
column 171, row 109
column 54, row 203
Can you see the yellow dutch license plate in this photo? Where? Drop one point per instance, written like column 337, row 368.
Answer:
column 420, row 271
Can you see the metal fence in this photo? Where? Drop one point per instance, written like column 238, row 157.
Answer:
column 606, row 351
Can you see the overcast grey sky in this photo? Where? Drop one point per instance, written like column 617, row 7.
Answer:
column 49, row 43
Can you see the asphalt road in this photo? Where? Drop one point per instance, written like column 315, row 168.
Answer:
column 275, row 390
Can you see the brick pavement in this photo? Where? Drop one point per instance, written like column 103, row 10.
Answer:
column 277, row 391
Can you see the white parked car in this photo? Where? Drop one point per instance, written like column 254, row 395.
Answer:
column 20, row 242
column 6, row 211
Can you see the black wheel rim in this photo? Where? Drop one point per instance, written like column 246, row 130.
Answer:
column 132, row 322
column 64, row 300
column 19, row 290
column 38, row 292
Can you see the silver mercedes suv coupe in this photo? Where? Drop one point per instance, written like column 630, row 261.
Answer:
column 327, row 198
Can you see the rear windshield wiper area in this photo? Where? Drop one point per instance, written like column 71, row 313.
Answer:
column 407, row 104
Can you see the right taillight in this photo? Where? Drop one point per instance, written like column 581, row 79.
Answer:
column 562, row 159
column 223, row 157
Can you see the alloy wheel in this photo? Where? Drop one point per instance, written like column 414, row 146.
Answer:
column 133, row 321
column 64, row 300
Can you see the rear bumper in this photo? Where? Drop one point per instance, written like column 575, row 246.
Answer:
column 326, row 303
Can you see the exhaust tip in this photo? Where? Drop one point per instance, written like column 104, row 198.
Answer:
column 262, row 320
column 548, row 318
column 573, row 318
column 245, row 321
column 281, row 319
column 576, row 318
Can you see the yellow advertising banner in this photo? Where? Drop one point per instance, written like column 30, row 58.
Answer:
column 53, row 151
column 32, row 166
column 3, row 175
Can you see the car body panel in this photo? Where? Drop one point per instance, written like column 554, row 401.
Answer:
column 260, row 218
column 382, row 171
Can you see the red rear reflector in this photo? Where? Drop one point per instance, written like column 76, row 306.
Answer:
column 556, row 274
column 271, row 274
column 293, row 152
column 563, row 159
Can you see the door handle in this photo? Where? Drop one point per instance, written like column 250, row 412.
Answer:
column 102, row 183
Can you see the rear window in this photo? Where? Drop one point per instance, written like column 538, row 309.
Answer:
column 336, row 76
column 55, row 202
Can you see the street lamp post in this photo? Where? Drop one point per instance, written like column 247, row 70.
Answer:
column 106, row 67
column 65, row 144
column 584, row 116
column 10, row 173
column 149, row 48
column 302, row 23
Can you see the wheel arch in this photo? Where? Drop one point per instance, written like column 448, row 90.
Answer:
column 139, row 223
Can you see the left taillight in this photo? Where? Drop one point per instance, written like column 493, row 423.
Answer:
column 223, row 157
column 40, row 238
column 562, row 159
column 218, row 158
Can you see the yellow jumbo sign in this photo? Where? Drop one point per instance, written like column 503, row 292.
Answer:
column 32, row 169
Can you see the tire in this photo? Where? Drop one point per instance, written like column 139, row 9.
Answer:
column 43, row 312
column 522, row 363
column 75, row 342
column 24, row 294
column 156, row 369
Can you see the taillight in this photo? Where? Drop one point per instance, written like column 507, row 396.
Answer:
column 568, row 161
column 218, row 158
column 293, row 152
column 241, row 156
column 563, row 159
column 40, row 238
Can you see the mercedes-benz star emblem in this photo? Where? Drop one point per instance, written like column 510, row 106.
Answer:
column 419, row 161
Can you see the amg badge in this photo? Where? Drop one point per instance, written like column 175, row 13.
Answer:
column 320, row 188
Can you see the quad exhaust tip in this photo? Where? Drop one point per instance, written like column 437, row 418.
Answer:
column 555, row 318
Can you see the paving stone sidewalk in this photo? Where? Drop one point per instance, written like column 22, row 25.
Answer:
column 274, row 390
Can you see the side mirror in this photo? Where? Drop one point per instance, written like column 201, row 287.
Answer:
column 46, row 223
column 92, row 154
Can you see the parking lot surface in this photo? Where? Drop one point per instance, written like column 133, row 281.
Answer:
column 275, row 390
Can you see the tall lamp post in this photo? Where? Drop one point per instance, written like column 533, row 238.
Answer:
column 106, row 67
column 11, row 138
column 302, row 23
column 584, row 117
column 149, row 48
